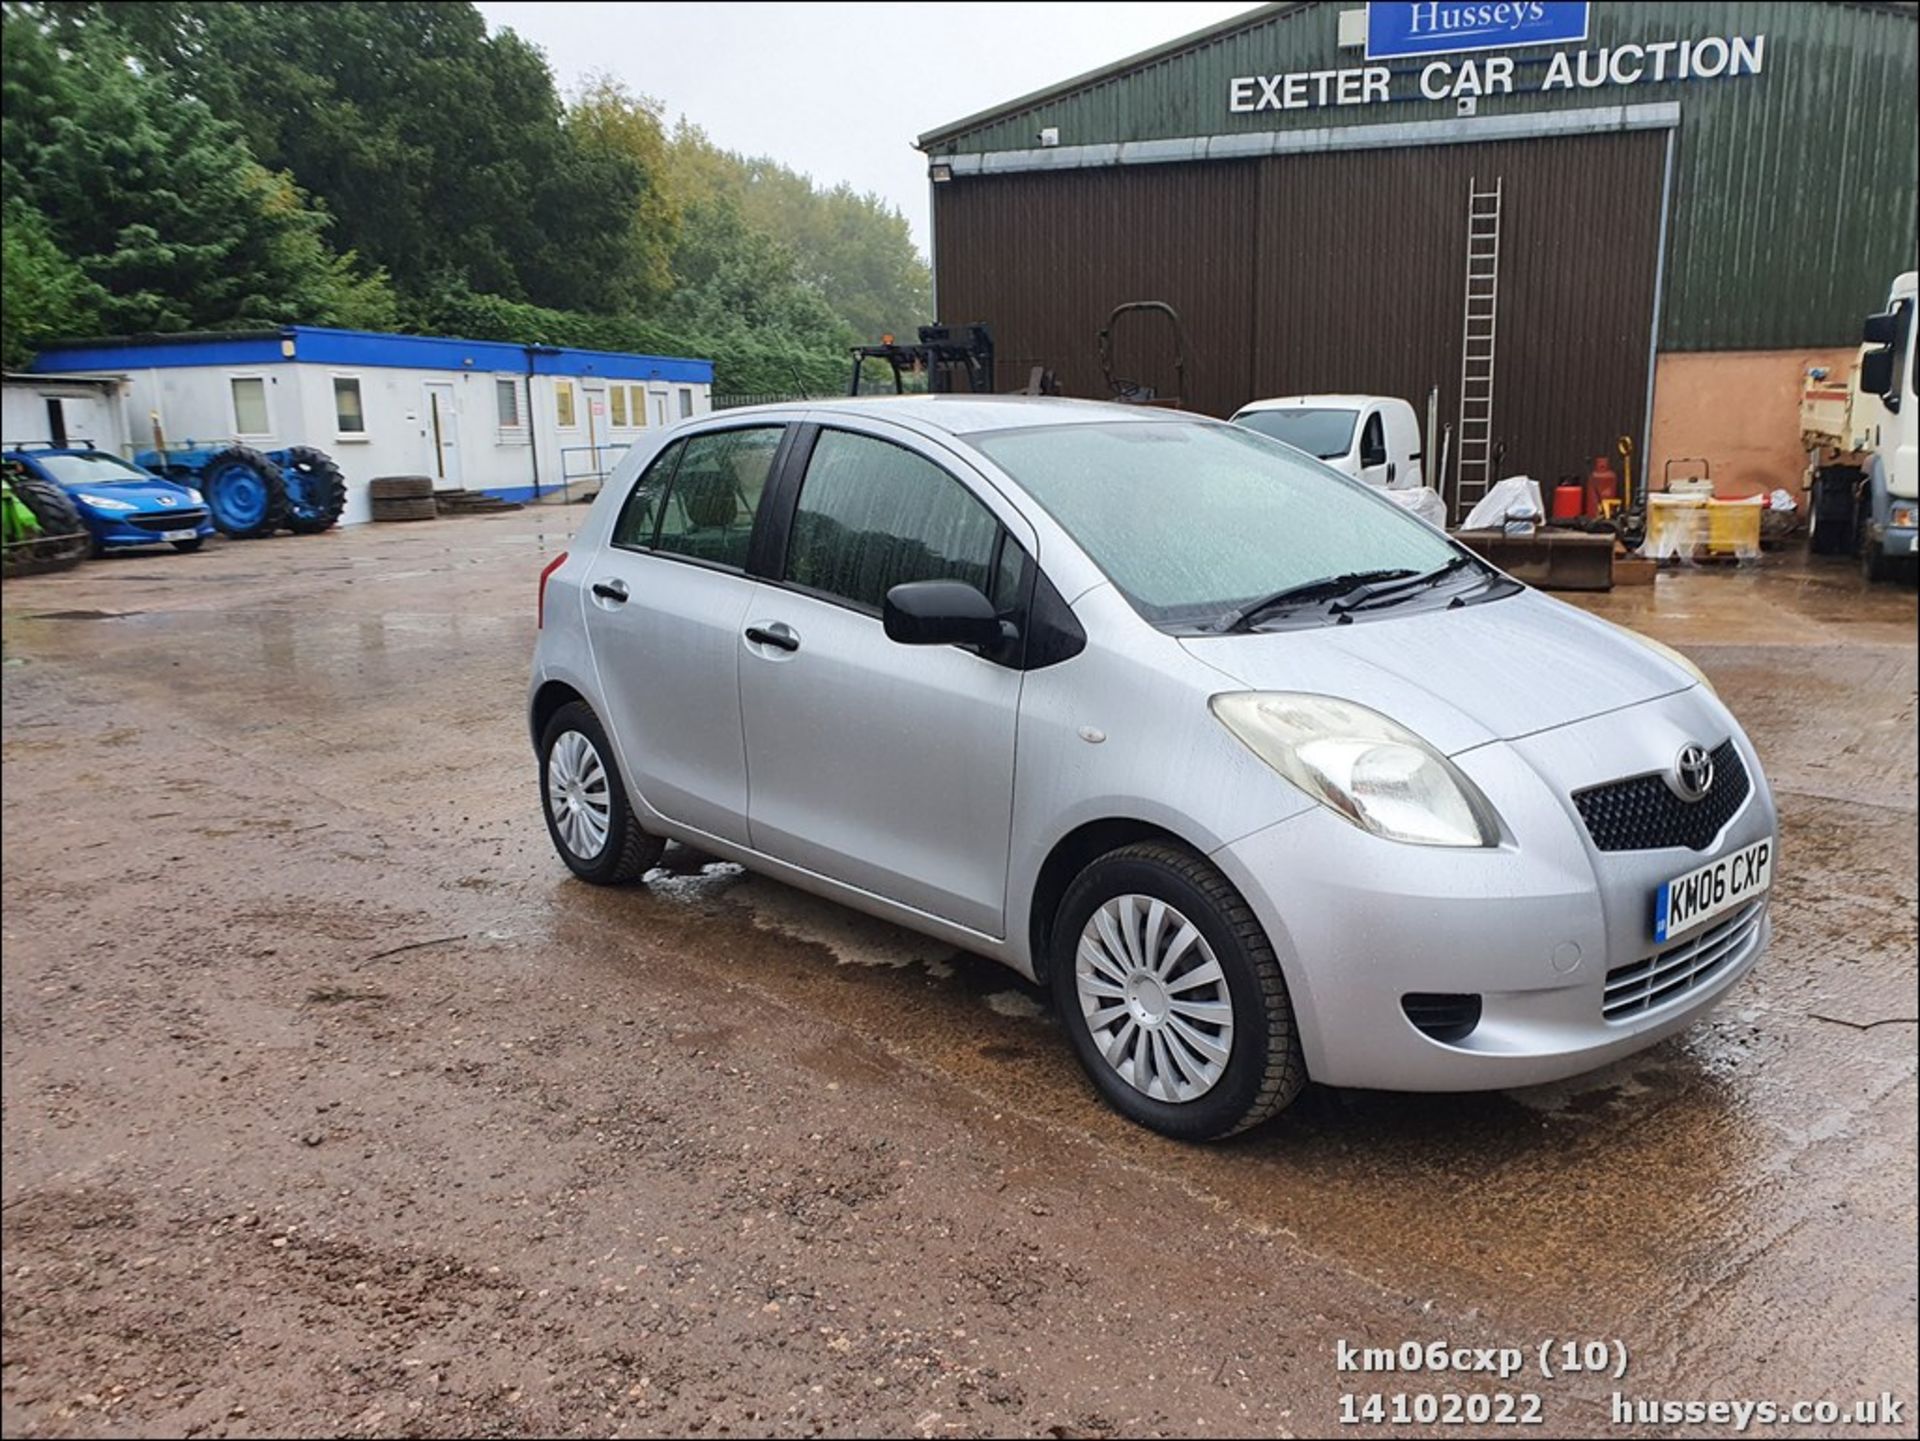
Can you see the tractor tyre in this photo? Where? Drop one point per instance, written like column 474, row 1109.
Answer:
column 246, row 493
column 316, row 490
column 422, row 508
column 67, row 538
column 400, row 487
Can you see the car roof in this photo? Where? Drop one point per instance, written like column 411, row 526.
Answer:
column 1303, row 402
column 966, row 414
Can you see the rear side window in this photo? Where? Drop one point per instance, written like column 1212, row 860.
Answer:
column 873, row 515
column 710, row 504
column 642, row 511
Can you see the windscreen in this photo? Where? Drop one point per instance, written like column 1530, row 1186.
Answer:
column 1325, row 433
column 1192, row 520
column 88, row 469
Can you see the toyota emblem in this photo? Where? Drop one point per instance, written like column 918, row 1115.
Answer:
column 1693, row 773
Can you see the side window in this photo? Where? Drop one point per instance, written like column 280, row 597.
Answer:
column 873, row 515
column 1373, row 441
column 249, row 405
column 710, row 504
column 638, row 516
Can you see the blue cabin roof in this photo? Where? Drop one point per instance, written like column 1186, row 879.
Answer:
column 325, row 345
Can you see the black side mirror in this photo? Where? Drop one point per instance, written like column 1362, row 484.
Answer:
column 1884, row 328
column 940, row 612
column 1876, row 371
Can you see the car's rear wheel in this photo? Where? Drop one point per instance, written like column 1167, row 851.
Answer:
column 1172, row 994
column 588, row 817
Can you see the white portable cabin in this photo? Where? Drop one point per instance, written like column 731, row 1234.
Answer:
column 523, row 422
column 62, row 410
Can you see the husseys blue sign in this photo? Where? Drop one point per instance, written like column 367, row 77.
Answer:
column 1445, row 27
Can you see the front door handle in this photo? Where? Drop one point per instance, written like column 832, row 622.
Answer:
column 613, row 590
column 779, row 639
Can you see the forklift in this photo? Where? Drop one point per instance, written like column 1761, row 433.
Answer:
column 956, row 359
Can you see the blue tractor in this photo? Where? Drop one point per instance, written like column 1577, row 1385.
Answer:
column 251, row 493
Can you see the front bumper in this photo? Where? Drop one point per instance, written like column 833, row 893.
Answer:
column 1533, row 927
column 1894, row 540
column 150, row 527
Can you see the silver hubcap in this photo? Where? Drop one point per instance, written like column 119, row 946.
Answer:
column 577, row 795
column 1155, row 998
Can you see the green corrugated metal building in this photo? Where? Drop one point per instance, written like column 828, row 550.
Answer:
column 1734, row 177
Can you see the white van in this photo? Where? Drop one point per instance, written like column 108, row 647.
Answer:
column 1374, row 438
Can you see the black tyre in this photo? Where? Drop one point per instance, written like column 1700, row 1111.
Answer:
column 316, row 490
column 64, row 532
column 588, row 817
column 409, row 509
column 400, row 487
column 1833, row 522
column 1172, row 995
column 188, row 547
column 246, row 493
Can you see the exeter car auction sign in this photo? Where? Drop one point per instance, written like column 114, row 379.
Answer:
column 1435, row 27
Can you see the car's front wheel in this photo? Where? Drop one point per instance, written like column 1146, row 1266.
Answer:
column 1173, row 997
column 588, row 816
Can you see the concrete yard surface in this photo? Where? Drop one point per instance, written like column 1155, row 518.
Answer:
column 333, row 1104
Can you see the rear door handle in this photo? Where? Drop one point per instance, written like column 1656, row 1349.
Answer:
column 613, row 590
column 779, row 639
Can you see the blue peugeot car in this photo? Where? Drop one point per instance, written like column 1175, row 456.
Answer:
column 121, row 504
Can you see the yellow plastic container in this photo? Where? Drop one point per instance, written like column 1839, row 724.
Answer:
column 1676, row 526
column 1733, row 527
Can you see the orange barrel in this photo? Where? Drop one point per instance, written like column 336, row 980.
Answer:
column 1569, row 500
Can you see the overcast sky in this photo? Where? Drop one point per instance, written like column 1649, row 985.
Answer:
column 839, row 91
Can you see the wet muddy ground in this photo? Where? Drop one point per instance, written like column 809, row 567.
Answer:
column 332, row 1104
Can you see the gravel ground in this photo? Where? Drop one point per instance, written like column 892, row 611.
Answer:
column 332, row 1104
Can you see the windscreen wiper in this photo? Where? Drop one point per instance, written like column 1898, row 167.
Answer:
column 1401, row 586
column 1328, row 587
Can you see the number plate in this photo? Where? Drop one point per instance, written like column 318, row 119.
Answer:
column 176, row 535
column 1716, row 888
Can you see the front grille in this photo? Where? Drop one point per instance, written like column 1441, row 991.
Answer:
column 1441, row 1015
column 1647, row 984
column 168, row 520
column 1643, row 814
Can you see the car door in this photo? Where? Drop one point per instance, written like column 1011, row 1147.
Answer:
column 885, row 766
column 1404, row 468
column 666, row 601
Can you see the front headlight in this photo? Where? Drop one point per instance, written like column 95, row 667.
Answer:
column 1371, row 770
column 194, row 497
column 107, row 502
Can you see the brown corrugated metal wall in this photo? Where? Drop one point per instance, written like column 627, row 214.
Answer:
column 1331, row 272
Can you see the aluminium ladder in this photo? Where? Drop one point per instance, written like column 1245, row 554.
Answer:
column 1480, row 314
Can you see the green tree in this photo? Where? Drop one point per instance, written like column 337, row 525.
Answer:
column 608, row 119
column 160, row 206
column 444, row 151
column 43, row 293
column 855, row 250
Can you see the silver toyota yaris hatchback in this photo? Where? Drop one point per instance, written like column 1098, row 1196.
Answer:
column 1265, row 777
